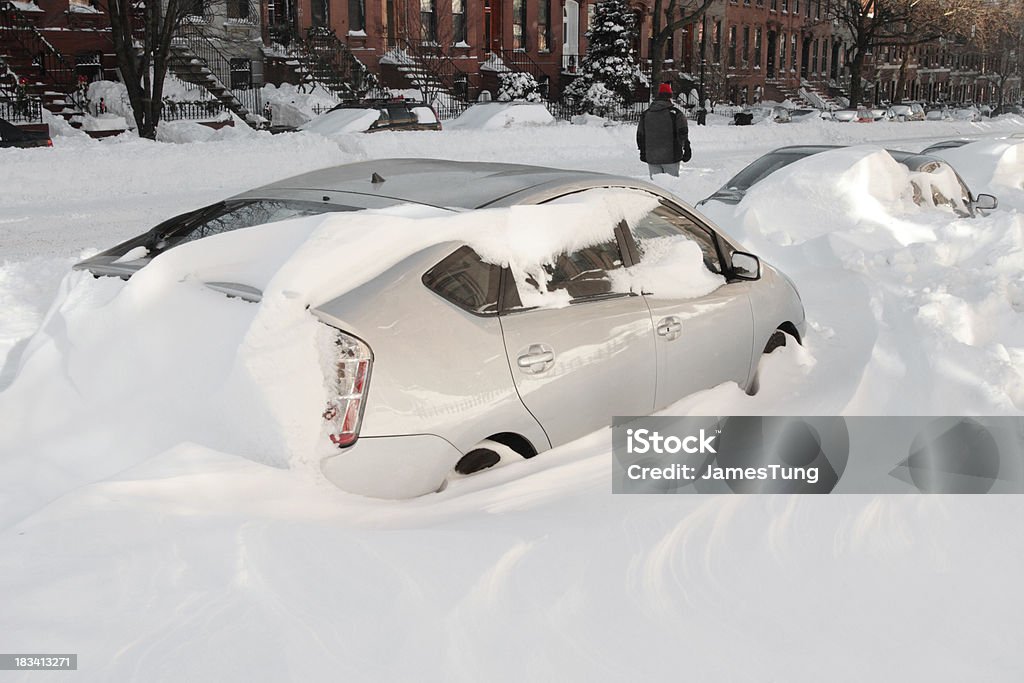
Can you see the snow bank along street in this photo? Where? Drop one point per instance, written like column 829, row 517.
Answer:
column 159, row 517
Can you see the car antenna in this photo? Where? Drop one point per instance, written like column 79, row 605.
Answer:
column 376, row 178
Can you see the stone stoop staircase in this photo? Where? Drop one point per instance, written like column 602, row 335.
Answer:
column 197, row 61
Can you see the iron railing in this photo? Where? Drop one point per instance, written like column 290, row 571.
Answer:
column 192, row 111
column 333, row 65
column 21, row 109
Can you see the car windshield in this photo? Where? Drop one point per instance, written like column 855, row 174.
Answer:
column 234, row 215
column 762, row 168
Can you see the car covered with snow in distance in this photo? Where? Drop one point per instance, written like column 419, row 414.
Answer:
column 374, row 115
column 447, row 361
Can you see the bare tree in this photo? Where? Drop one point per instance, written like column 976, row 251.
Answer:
column 997, row 36
column 667, row 17
column 873, row 24
column 142, row 31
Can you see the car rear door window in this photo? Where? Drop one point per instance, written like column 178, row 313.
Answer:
column 466, row 281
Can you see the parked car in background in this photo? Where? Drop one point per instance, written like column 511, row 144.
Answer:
column 796, row 115
column 966, row 205
column 1008, row 109
column 865, row 116
column 938, row 114
column 371, row 116
column 17, row 136
column 496, row 375
column 845, row 115
column 881, row 114
column 906, row 112
column 757, row 114
column 966, row 114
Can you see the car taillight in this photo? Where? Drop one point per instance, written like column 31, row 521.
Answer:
column 49, row 142
column 347, row 382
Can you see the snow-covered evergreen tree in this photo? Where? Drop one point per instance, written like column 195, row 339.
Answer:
column 609, row 60
column 518, row 85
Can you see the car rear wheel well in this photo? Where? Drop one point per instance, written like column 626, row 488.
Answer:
column 517, row 442
column 790, row 329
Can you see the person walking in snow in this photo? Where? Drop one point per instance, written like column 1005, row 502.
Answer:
column 661, row 135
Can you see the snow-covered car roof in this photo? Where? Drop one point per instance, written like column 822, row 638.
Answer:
column 443, row 183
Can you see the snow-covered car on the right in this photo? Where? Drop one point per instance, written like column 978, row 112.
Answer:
column 945, row 187
column 371, row 116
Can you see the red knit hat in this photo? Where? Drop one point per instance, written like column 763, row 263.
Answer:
column 665, row 89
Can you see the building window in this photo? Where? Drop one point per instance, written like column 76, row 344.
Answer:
column 817, row 10
column 459, row 21
column 793, row 61
column 774, row 6
column 732, row 46
column 428, row 20
column 518, row 24
column 814, row 57
column 785, row 5
column 757, row 47
column 716, row 42
column 238, row 9
column 544, row 25
column 746, row 44
column 197, row 8
column 241, row 74
column 356, row 15
column 796, row 6
column 782, row 52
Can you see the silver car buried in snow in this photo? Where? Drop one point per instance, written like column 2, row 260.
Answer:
column 440, row 367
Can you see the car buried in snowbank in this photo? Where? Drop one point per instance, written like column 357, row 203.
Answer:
column 446, row 362
column 964, row 203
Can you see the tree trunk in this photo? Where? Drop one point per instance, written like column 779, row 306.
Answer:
column 856, row 67
column 901, row 81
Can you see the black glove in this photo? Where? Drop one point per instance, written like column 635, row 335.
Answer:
column 687, row 154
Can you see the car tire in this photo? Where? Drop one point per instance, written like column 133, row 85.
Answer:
column 778, row 339
column 476, row 460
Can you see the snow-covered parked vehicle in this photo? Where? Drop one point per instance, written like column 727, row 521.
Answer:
column 466, row 312
column 932, row 179
column 371, row 116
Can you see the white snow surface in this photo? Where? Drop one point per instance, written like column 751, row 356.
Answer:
column 160, row 516
column 492, row 115
column 342, row 121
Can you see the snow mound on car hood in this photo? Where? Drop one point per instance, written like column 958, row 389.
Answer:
column 162, row 360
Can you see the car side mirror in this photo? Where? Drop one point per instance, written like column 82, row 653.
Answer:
column 745, row 266
column 986, row 202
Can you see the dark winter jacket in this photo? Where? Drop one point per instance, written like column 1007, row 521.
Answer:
column 661, row 134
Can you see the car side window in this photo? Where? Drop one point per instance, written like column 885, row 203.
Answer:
column 587, row 272
column 664, row 223
column 466, row 281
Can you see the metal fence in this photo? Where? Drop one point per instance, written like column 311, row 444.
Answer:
column 21, row 110
column 568, row 107
column 192, row 111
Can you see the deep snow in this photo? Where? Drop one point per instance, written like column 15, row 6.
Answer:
column 159, row 559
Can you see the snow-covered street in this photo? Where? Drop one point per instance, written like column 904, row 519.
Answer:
column 163, row 550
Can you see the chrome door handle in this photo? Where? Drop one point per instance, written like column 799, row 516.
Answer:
column 670, row 328
column 531, row 359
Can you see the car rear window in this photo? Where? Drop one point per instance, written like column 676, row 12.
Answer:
column 761, row 168
column 466, row 281
column 229, row 216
